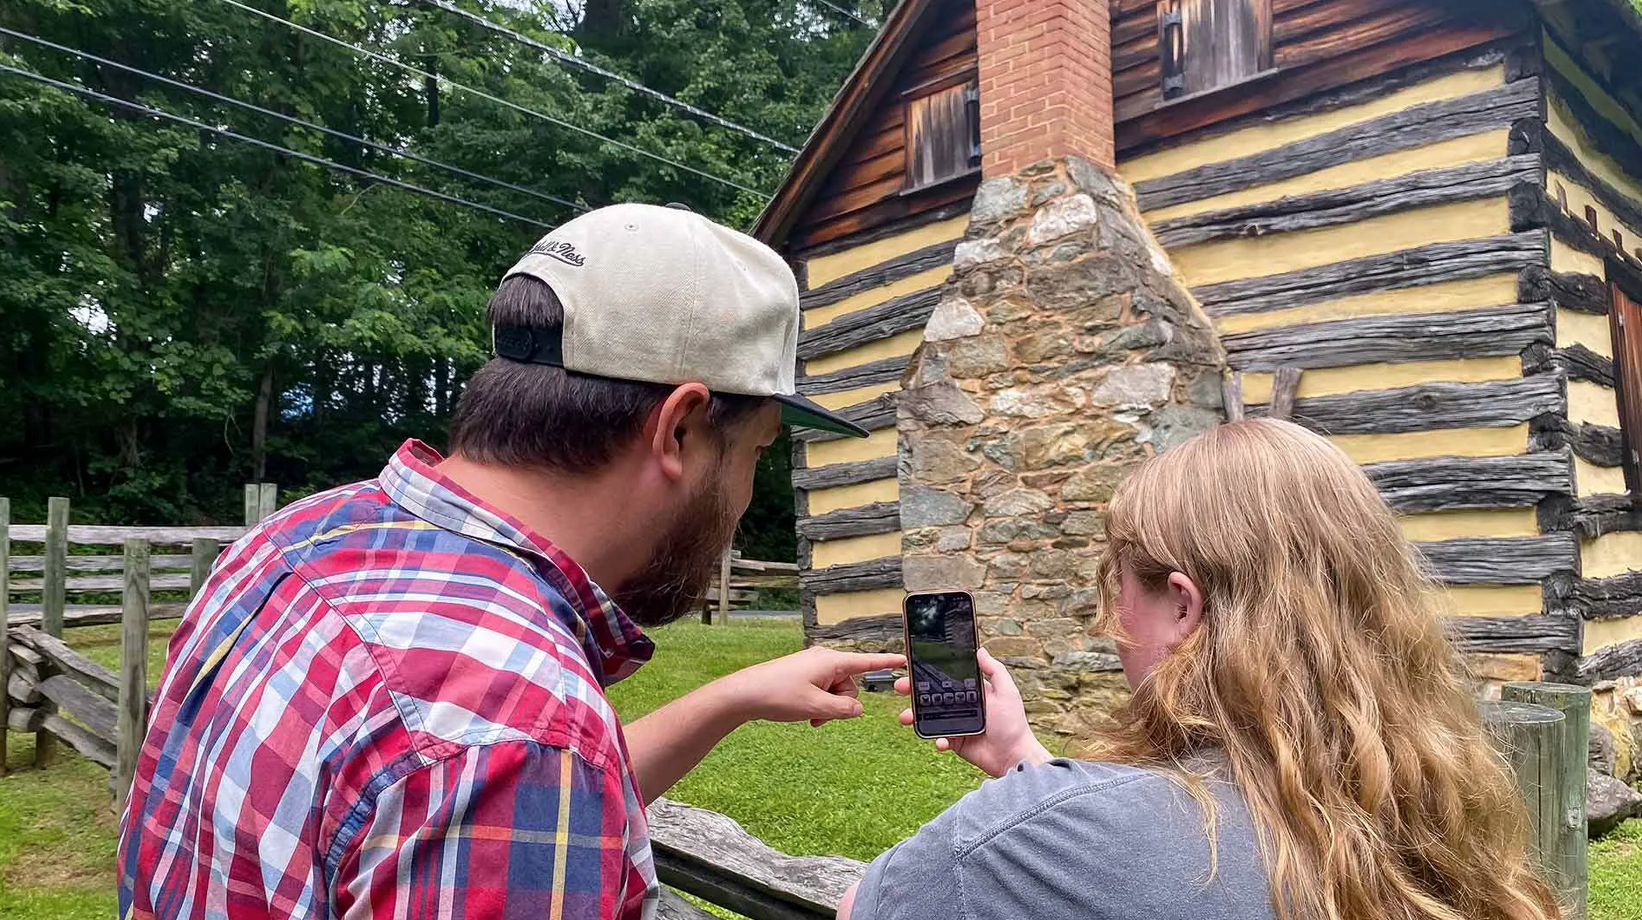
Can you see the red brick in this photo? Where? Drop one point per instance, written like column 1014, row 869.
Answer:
column 1045, row 79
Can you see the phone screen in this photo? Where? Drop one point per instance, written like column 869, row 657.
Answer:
column 948, row 697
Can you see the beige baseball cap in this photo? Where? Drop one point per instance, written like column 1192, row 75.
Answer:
column 664, row 295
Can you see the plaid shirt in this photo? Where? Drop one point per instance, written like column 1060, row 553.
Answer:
column 387, row 701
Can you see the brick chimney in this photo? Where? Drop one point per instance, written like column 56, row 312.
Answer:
column 1045, row 82
column 1064, row 352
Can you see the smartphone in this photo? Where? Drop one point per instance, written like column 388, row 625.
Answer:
column 948, row 695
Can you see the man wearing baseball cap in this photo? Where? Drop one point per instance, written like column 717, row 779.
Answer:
column 388, row 699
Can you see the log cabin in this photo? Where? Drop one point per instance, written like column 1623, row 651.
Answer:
column 1414, row 226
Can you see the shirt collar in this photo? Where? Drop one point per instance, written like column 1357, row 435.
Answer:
column 615, row 644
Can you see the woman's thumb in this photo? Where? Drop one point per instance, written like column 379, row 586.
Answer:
column 836, row 706
column 995, row 673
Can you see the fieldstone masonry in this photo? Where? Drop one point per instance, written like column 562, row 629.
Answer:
column 1063, row 353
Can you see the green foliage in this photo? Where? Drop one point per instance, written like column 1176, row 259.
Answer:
column 181, row 313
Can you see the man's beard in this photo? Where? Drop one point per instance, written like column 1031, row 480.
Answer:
column 674, row 582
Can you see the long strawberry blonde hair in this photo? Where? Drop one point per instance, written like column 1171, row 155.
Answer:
column 1321, row 671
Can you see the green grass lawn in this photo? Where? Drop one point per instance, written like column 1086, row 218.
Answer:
column 852, row 788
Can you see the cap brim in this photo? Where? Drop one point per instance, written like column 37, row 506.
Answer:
column 796, row 410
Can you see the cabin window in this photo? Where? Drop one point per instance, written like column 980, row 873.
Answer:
column 943, row 135
column 1626, row 324
column 1208, row 44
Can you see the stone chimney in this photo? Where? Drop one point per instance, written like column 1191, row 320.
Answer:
column 1045, row 82
column 1064, row 352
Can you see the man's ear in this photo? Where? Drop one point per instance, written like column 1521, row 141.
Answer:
column 678, row 425
column 1188, row 606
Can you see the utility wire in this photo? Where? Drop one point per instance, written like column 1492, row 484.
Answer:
column 308, row 158
column 574, row 61
column 394, row 62
column 397, row 151
column 848, row 12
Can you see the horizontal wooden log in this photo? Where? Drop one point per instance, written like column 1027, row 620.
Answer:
column 1453, row 483
column 95, row 615
column 93, row 747
column 1467, row 182
column 104, row 535
column 923, row 260
column 1404, row 269
column 1563, row 160
column 26, row 718
column 892, row 317
column 1530, row 208
column 101, row 680
column 874, row 414
column 881, row 231
column 879, row 517
column 855, row 576
column 74, row 698
column 1431, row 406
column 1605, row 598
column 1500, row 560
column 1616, row 143
column 1576, row 362
column 100, row 563
column 711, row 856
column 24, row 690
column 875, row 629
column 1530, row 635
column 884, row 370
column 740, row 566
column 1415, row 126
column 1621, row 660
column 1571, row 291
column 1505, row 330
column 844, row 474
column 673, row 906
column 1601, row 445
column 1595, row 515
column 94, row 583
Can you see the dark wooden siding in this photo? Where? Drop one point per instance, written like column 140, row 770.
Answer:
column 1316, row 45
column 864, row 190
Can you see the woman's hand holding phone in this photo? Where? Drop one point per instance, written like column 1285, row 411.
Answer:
column 1008, row 739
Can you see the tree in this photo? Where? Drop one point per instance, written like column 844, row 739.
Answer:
column 181, row 312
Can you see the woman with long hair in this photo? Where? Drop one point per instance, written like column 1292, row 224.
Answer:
column 1301, row 742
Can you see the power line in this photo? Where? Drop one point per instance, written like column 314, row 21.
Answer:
column 393, row 62
column 397, row 151
column 574, row 61
column 308, row 158
column 848, row 12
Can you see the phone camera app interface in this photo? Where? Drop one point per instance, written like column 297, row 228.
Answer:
column 945, row 675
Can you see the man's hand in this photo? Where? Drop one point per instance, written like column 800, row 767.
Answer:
column 817, row 685
column 1008, row 739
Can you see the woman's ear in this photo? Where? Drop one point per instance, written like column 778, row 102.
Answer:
column 1188, row 606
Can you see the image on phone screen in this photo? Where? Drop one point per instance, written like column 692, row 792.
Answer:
column 947, row 693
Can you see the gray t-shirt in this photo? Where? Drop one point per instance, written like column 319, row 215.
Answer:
column 1071, row 839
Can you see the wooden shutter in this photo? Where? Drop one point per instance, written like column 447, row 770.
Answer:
column 1626, row 322
column 942, row 135
column 1207, row 44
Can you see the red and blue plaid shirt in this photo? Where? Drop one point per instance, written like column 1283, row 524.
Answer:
column 387, row 701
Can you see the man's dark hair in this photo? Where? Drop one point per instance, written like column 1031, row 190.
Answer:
column 534, row 415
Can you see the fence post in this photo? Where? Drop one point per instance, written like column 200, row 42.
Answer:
column 253, row 504
column 53, row 597
column 1567, row 863
column 1529, row 738
column 268, row 500
column 724, row 589
column 204, row 555
column 5, row 627
column 133, row 705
